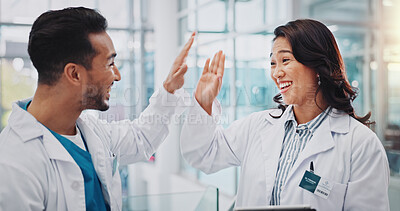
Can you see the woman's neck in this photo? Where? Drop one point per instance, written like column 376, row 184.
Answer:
column 308, row 111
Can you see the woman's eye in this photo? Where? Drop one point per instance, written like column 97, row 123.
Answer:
column 285, row 60
column 112, row 64
column 272, row 63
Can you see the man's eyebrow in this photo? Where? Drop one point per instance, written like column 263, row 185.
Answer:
column 282, row 51
column 112, row 56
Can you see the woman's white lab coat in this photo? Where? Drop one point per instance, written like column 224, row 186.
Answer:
column 37, row 173
column 345, row 152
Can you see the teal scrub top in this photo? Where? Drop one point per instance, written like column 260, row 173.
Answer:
column 93, row 194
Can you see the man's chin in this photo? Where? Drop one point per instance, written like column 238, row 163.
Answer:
column 104, row 106
column 99, row 106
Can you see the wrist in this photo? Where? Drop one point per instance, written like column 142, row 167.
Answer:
column 167, row 87
column 207, row 107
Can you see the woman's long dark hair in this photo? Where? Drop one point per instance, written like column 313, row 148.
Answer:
column 314, row 46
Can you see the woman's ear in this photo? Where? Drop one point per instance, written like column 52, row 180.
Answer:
column 72, row 73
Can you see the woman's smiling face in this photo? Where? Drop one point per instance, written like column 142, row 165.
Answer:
column 296, row 82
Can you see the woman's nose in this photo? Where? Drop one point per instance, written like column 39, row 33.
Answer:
column 278, row 72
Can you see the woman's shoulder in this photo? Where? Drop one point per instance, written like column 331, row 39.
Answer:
column 341, row 122
column 363, row 136
column 360, row 129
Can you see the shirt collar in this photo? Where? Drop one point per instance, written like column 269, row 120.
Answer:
column 316, row 122
column 311, row 125
column 290, row 119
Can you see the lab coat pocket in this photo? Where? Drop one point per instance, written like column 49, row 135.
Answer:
column 335, row 199
column 113, row 164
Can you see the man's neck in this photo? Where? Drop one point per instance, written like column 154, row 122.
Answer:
column 56, row 111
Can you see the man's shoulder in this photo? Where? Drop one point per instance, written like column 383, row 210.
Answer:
column 14, row 150
column 8, row 137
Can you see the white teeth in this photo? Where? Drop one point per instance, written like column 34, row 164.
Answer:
column 285, row 84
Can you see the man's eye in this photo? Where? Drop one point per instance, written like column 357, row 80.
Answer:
column 112, row 64
column 285, row 60
column 272, row 63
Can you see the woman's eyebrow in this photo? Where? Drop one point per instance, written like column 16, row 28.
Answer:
column 281, row 51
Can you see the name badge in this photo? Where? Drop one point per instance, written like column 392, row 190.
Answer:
column 316, row 185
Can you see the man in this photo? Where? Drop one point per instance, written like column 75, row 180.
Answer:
column 52, row 157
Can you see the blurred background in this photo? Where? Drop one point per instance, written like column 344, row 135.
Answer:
column 147, row 36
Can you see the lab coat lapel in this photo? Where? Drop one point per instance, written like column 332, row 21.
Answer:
column 54, row 148
column 272, row 140
column 322, row 139
column 96, row 150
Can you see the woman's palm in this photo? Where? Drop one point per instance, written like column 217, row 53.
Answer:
column 210, row 82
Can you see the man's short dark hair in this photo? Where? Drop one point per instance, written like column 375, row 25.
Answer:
column 60, row 37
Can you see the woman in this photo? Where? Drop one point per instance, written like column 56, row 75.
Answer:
column 314, row 134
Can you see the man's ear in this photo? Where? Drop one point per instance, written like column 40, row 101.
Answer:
column 73, row 73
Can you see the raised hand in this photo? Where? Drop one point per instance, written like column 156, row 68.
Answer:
column 210, row 82
column 175, row 78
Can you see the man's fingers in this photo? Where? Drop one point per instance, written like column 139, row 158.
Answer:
column 185, row 51
column 221, row 66
column 182, row 70
column 206, row 66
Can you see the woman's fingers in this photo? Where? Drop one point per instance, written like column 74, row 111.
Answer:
column 206, row 66
column 215, row 66
column 221, row 66
column 212, row 63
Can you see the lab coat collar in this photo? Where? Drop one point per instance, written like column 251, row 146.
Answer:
column 23, row 123
column 339, row 121
column 28, row 128
column 278, row 112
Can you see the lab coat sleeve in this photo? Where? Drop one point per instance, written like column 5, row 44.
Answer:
column 19, row 190
column 209, row 147
column 137, row 140
column 369, row 180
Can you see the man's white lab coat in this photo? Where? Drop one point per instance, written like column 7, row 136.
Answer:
column 344, row 151
column 37, row 172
